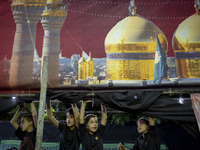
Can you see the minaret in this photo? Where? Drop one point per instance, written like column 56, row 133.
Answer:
column 52, row 21
column 82, row 68
column 90, row 66
column 26, row 15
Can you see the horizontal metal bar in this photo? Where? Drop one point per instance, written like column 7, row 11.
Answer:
column 87, row 112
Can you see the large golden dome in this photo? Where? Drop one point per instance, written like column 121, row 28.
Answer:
column 130, row 46
column 134, row 30
column 186, row 45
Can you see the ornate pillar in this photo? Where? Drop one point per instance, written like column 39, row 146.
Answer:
column 26, row 14
column 52, row 21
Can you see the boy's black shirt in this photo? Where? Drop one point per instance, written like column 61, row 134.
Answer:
column 150, row 141
column 69, row 137
column 28, row 139
column 92, row 141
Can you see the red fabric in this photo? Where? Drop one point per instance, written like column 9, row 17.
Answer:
column 88, row 23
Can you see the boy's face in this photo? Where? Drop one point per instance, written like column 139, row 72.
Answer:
column 25, row 124
column 70, row 120
column 92, row 124
column 142, row 127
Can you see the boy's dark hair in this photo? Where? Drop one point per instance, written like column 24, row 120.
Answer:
column 28, row 117
column 70, row 111
column 88, row 117
column 144, row 119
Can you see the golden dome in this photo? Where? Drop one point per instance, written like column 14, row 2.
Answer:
column 187, row 35
column 130, row 46
column 186, row 45
column 134, row 30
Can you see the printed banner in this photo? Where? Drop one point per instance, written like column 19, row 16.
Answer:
column 97, row 43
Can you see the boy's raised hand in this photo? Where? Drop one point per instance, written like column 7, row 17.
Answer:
column 103, row 108
column 16, row 116
column 151, row 121
column 82, row 111
column 104, row 115
column 120, row 146
column 21, row 106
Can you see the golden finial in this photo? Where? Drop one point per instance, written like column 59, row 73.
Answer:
column 90, row 54
column 196, row 6
column 82, row 53
column 134, row 8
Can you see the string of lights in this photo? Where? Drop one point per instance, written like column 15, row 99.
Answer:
column 110, row 16
column 137, row 3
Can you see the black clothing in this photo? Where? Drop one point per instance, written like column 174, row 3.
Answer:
column 92, row 141
column 150, row 141
column 28, row 139
column 69, row 137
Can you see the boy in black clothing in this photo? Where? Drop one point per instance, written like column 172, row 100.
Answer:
column 69, row 137
column 90, row 132
column 26, row 132
column 148, row 140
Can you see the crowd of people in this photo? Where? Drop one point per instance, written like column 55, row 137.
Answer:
column 80, row 128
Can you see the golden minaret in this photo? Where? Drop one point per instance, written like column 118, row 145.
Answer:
column 82, row 64
column 90, row 66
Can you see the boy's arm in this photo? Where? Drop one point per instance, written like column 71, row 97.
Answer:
column 104, row 115
column 82, row 112
column 16, row 116
column 50, row 116
column 34, row 114
column 76, row 114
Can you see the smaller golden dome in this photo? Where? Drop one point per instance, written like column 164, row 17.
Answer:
column 187, row 35
column 186, row 45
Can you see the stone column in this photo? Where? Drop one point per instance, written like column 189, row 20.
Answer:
column 26, row 14
column 52, row 21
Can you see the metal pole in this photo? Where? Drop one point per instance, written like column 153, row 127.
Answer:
column 40, row 123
